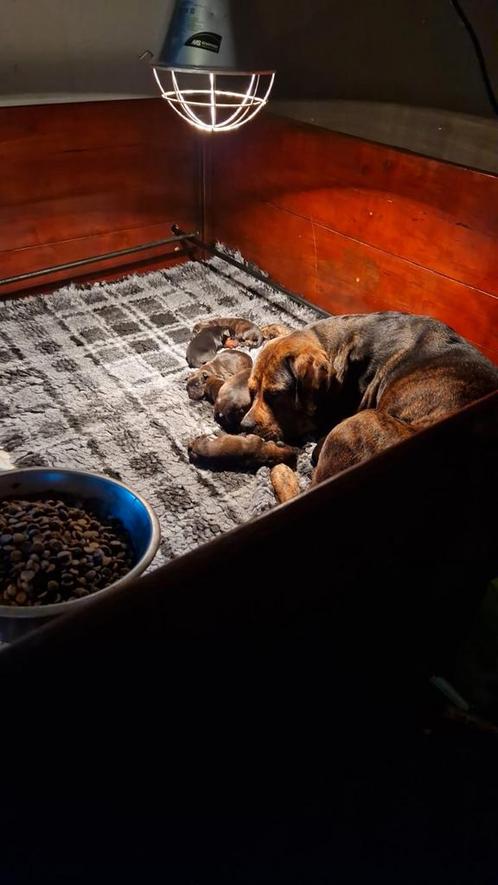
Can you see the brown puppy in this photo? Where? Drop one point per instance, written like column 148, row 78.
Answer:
column 223, row 366
column 233, row 401
column 389, row 374
column 213, row 387
column 205, row 345
column 274, row 330
column 242, row 331
column 227, row 452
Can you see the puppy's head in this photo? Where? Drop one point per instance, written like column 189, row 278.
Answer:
column 196, row 384
column 233, row 401
column 250, row 337
column 287, row 383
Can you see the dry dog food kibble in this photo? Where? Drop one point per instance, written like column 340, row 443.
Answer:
column 53, row 551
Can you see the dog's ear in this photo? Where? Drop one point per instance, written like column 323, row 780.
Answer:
column 341, row 361
column 310, row 372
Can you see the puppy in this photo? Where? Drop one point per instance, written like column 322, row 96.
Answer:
column 243, row 332
column 212, row 388
column 223, row 366
column 205, row 345
column 227, row 452
column 275, row 330
column 233, row 401
column 365, row 381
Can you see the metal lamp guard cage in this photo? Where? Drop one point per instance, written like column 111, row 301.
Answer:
column 223, row 109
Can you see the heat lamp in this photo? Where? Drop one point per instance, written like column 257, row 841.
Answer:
column 199, row 71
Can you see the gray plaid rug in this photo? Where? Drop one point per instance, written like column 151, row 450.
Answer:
column 93, row 378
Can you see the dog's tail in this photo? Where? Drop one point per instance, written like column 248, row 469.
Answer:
column 285, row 483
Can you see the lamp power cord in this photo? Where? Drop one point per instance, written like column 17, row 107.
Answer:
column 479, row 53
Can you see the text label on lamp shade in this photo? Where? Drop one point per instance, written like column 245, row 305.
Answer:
column 206, row 85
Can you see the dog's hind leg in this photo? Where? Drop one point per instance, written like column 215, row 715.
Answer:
column 356, row 439
column 285, row 483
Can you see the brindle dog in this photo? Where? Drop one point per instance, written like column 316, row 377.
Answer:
column 367, row 381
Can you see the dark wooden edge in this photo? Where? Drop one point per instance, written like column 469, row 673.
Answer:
column 399, row 149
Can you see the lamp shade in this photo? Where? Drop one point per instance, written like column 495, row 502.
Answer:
column 199, row 69
column 200, row 36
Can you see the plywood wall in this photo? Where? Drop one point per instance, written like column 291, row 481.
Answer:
column 82, row 179
column 356, row 226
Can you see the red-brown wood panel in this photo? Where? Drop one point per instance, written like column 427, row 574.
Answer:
column 345, row 276
column 440, row 216
column 353, row 277
column 62, row 252
column 359, row 226
column 82, row 179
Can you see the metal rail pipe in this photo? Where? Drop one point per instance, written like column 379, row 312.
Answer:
column 247, row 269
column 57, row 268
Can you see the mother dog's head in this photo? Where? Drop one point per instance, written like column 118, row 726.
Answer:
column 289, row 378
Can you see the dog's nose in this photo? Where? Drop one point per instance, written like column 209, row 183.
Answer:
column 247, row 423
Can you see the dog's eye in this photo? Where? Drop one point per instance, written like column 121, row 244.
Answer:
column 270, row 396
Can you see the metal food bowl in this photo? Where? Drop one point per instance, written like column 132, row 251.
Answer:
column 105, row 498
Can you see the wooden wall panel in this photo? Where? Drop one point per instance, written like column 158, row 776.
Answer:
column 357, row 226
column 81, row 179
